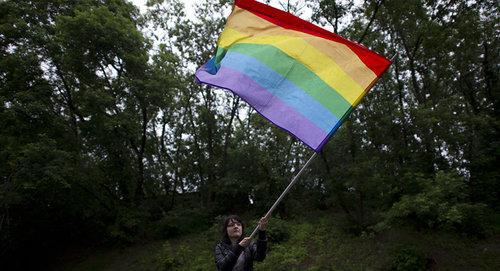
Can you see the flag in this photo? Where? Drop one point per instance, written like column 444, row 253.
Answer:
column 301, row 77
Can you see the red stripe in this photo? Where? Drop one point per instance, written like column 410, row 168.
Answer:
column 375, row 62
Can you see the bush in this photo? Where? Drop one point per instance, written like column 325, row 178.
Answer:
column 127, row 226
column 408, row 259
column 278, row 231
column 182, row 221
column 475, row 220
column 166, row 258
column 441, row 203
column 186, row 256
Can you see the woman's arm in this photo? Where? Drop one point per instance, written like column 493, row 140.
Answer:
column 226, row 261
column 259, row 248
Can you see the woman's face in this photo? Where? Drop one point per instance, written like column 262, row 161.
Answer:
column 234, row 229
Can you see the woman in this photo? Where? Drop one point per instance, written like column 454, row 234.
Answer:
column 235, row 253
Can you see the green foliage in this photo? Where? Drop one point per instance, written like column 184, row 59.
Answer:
column 166, row 258
column 440, row 204
column 285, row 258
column 181, row 222
column 74, row 81
column 193, row 255
column 278, row 231
column 408, row 259
column 105, row 136
column 316, row 244
column 128, row 224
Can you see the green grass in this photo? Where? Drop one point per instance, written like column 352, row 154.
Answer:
column 317, row 244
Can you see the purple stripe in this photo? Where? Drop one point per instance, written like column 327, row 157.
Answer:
column 268, row 105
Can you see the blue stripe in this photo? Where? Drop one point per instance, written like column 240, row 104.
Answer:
column 281, row 87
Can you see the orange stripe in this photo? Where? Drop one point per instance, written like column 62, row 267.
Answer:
column 375, row 62
column 252, row 25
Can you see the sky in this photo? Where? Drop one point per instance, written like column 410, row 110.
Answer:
column 189, row 9
column 189, row 5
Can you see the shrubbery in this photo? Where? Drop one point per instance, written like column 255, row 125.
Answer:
column 408, row 259
column 278, row 231
column 182, row 221
column 129, row 223
column 441, row 203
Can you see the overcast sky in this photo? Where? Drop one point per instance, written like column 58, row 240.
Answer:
column 189, row 5
column 306, row 12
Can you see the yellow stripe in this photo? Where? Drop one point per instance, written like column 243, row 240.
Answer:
column 251, row 24
column 301, row 51
column 333, row 62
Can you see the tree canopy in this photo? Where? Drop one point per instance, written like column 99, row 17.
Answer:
column 105, row 137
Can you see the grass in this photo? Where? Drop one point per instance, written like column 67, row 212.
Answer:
column 317, row 244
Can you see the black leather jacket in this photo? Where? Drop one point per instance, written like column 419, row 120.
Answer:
column 226, row 255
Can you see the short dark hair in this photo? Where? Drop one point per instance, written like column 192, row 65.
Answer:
column 229, row 218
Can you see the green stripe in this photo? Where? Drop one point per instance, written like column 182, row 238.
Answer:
column 297, row 73
column 219, row 55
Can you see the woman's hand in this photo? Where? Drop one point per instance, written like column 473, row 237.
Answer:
column 263, row 223
column 245, row 242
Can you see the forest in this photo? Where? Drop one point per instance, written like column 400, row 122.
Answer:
column 107, row 142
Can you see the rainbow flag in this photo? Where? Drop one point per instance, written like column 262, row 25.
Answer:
column 299, row 76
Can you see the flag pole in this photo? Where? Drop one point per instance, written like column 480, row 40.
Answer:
column 394, row 56
column 294, row 180
column 268, row 214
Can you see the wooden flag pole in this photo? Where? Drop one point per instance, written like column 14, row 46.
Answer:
column 268, row 214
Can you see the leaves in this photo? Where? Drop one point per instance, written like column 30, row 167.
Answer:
column 99, row 112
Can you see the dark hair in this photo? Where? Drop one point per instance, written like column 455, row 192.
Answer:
column 225, row 237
